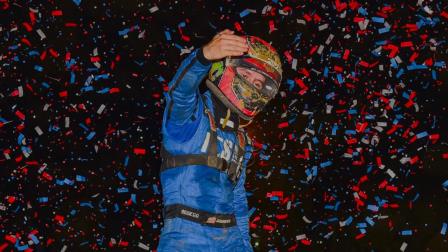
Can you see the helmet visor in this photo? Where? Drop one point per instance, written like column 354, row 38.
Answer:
column 252, row 100
column 258, row 74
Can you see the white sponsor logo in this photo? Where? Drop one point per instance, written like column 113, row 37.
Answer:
column 216, row 220
column 223, row 220
column 189, row 213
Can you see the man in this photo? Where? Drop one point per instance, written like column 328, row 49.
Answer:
column 205, row 148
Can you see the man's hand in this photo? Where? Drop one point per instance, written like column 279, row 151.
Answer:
column 224, row 44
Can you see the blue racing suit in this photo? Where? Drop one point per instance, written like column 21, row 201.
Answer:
column 186, row 130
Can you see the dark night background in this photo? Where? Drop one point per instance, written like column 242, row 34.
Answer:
column 93, row 184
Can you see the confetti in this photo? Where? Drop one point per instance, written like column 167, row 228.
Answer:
column 351, row 150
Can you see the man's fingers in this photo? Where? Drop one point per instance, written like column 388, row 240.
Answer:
column 234, row 43
column 234, row 37
column 227, row 31
column 225, row 43
column 234, row 53
column 234, row 48
column 230, row 50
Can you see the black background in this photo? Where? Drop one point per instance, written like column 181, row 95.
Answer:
column 132, row 119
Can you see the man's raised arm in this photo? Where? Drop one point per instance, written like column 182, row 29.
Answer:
column 183, row 88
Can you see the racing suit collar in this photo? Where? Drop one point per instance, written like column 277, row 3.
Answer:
column 220, row 113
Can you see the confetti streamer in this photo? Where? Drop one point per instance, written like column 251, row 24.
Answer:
column 354, row 142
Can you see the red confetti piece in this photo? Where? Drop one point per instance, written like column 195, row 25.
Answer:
column 139, row 151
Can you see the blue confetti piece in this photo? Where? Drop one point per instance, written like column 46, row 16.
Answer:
column 80, row 178
column 21, row 248
column 291, row 84
column 20, row 139
column 370, row 221
column 336, row 206
column 393, row 63
column 414, row 66
column 38, row 68
column 86, row 204
column 83, row 126
column 33, row 53
column 251, row 211
column 69, row 182
column 361, row 225
column 335, row 55
column 350, row 132
column 422, row 134
column 123, row 32
column 155, row 189
column 370, row 117
column 264, row 157
column 87, row 89
column 244, row 13
column 434, row 75
column 103, row 91
column 72, row 77
column 339, row 77
column 45, row 84
column 362, row 11
column 70, row 63
column 348, row 221
column 373, row 208
column 406, row 232
column 91, row 135
column 445, row 184
column 126, row 161
column 102, row 76
column 122, row 190
column 34, row 238
column 60, row 182
column 439, row 64
column 168, row 35
column 43, row 199
column 330, row 95
column 378, row 20
column 120, row 176
column 325, row 164
column 133, row 198
column 334, row 129
column 400, row 72
column 443, row 231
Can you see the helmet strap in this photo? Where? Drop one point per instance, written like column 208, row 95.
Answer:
column 244, row 125
column 226, row 119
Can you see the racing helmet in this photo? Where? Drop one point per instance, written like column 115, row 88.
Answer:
column 245, row 84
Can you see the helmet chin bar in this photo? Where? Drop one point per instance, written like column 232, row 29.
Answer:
column 215, row 90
